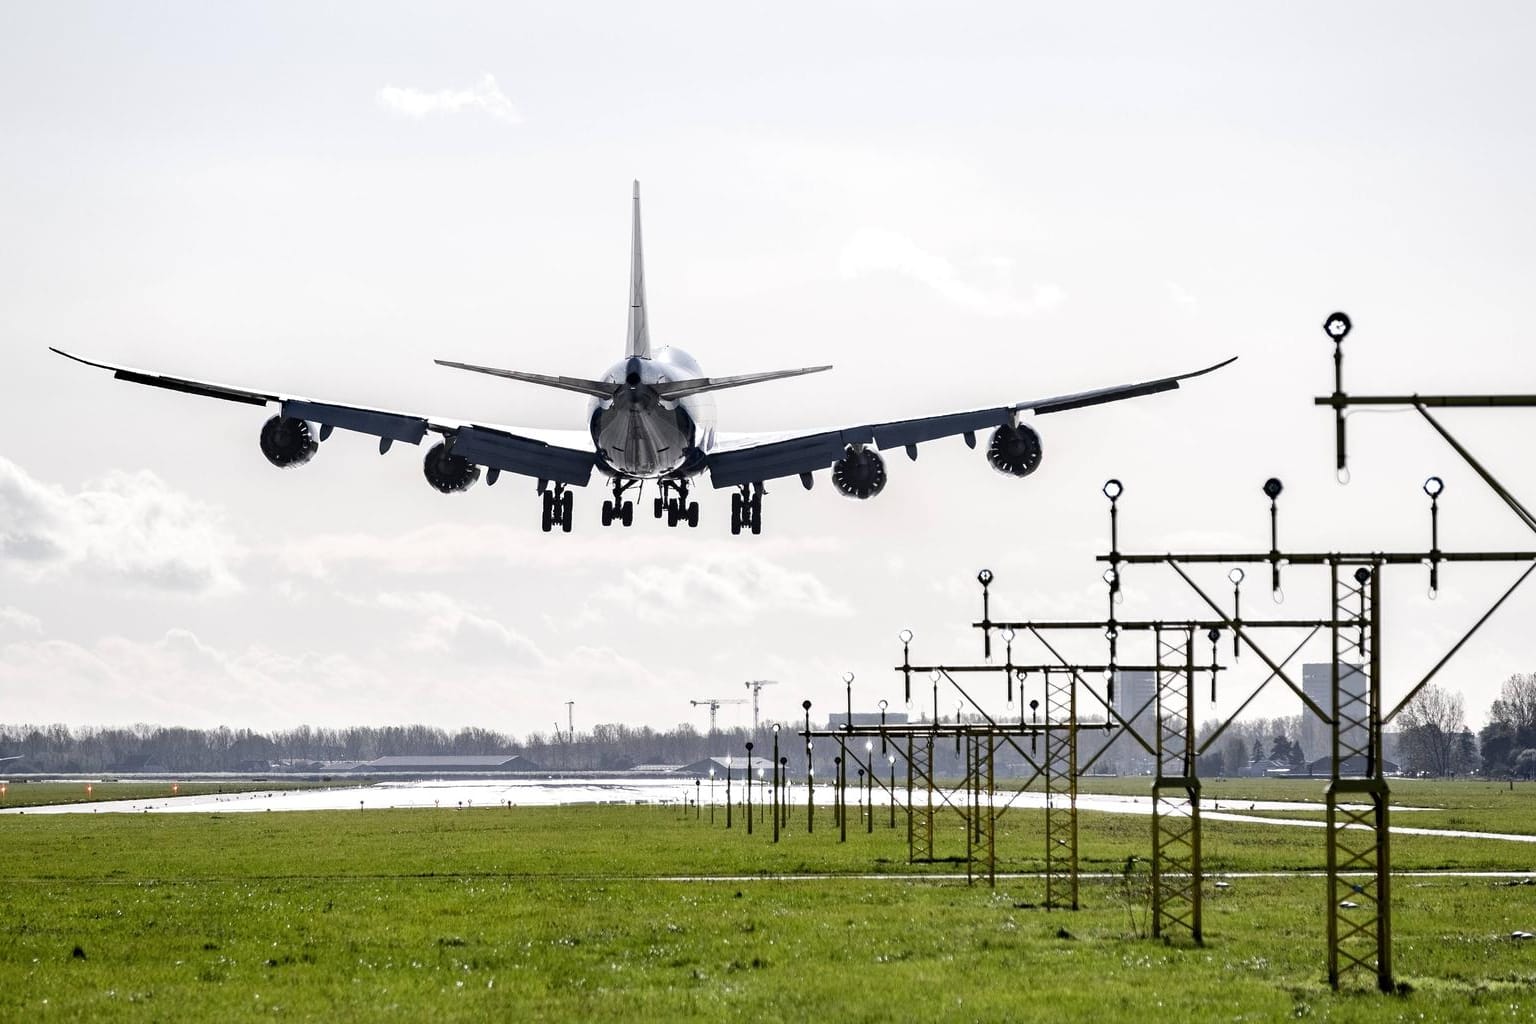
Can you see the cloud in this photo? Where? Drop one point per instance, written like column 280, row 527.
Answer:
column 719, row 588
column 871, row 251
column 127, row 527
column 446, row 626
column 432, row 551
column 16, row 619
column 485, row 96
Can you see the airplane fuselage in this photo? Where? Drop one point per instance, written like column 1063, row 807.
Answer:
column 640, row 435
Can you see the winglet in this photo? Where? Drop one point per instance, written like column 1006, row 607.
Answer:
column 638, row 342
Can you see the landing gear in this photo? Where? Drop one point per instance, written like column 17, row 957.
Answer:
column 678, row 508
column 747, row 509
column 557, row 508
column 619, row 510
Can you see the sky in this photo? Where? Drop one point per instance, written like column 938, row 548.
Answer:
column 957, row 206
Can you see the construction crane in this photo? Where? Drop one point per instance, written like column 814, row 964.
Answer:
column 713, row 703
column 756, row 686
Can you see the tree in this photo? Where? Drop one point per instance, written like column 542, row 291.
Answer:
column 1516, row 703
column 1432, row 724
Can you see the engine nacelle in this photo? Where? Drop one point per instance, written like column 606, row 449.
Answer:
column 1014, row 450
column 287, row 441
column 448, row 472
column 860, row 473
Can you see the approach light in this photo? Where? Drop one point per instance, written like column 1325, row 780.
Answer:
column 1337, row 326
column 1273, row 487
column 1362, row 575
column 1213, row 635
column 1008, row 636
column 984, row 577
column 1113, row 489
column 1236, row 576
column 905, row 636
column 847, row 678
column 1434, row 486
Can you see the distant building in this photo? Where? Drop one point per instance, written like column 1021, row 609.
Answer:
column 735, row 765
column 431, row 763
column 1316, row 737
column 1136, row 702
column 138, row 763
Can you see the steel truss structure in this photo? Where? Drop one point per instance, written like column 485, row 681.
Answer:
column 1358, row 877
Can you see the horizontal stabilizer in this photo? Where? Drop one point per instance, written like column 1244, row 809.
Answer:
column 594, row 388
column 674, row 389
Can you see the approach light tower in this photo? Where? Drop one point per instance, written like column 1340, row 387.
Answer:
column 713, row 703
column 756, row 686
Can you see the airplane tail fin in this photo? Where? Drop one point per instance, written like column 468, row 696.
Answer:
column 638, row 342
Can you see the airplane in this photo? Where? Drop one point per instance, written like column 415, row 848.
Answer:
column 651, row 416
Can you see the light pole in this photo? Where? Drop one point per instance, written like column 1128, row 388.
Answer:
column 698, row 785
column 746, row 781
column 810, row 774
column 762, row 796
column 727, row 790
column 711, row 796
column 778, row 782
column 840, row 780
column 892, row 792
column 781, row 809
column 869, row 795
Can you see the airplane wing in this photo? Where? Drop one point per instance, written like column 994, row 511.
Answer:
column 562, row 456
column 753, row 458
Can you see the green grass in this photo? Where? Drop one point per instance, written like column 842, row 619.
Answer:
column 592, row 912
column 37, row 794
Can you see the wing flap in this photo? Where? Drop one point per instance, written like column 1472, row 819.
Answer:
column 779, row 459
column 501, row 450
column 393, row 425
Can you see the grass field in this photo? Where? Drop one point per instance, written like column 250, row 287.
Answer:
column 647, row 913
column 37, row 794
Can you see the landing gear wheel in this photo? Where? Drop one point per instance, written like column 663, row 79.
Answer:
column 658, row 507
column 547, row 521
column 607, row 512
column 757, row 513
column 735, row 515
column 567, row 501
column 627, row 514
column 693, row 514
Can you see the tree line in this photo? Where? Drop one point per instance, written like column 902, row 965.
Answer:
column 1431, row 737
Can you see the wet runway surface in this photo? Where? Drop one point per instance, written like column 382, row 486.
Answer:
column 554, row 792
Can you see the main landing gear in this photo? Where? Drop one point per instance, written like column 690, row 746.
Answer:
column 747, row 509
column 557, row 507
column 619, row 510
column 677, row 508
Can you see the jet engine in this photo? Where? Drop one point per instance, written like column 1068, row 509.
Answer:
column 287, row 441
column 860, row 473
column 448, row 472
column 1014, row 450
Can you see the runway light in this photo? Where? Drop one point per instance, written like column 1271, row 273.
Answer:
column 984, row 577
column 1113, row 489
column 1273, row 487
column 1434, row 486
column 1236, row 576
column 905, row 636
column 1337, row 326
